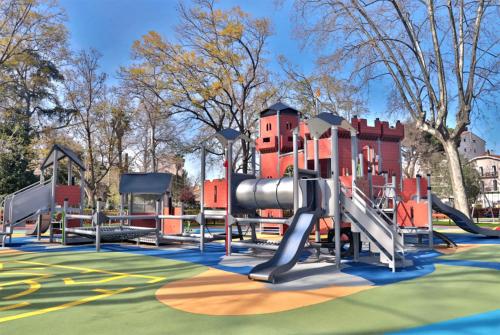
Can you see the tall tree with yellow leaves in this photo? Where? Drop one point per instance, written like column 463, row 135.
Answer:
column 213, row 73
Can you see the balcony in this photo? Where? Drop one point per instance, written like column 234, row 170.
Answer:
column 267, row 144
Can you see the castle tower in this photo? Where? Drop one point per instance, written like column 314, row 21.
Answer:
column 275, row 139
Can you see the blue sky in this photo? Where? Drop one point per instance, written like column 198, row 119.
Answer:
column 111, row 26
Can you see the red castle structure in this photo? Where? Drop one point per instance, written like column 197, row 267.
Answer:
column 379, row 147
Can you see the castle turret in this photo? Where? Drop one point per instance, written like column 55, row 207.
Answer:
column 276, row 125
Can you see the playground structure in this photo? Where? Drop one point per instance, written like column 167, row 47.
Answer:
column 346, row 183
column 43, row 201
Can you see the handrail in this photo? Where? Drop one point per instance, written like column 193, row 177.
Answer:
column 30, row 186
column 370, row 202
column 384, row 224
column 378, row 218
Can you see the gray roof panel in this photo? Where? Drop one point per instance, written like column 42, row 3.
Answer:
column 62, row 152
column 145, row 183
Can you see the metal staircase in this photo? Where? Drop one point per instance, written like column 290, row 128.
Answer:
column 374, row 225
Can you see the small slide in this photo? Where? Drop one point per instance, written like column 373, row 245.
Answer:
column 45, row 224
column 449, row 242
column 461, row 219
column 290, row 248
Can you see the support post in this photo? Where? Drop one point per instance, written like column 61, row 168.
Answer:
column 335, row 199
column 38, row 225
column 400, row 167
column 278, row 129
column 395, row 202
column 354, row 154
column 82, row 193
column 429, row 212
column 379, row 152
column 162, row 206
column 295, row 171
column 130, row 204
column 418, row 188
column 305, row 152
column 157, row 222
column 202, row 194
column 98, row 227
column 70, row 172
column 53, row 196
column 370, row 183
column 254, row 164
column 229, row 172
column 122, row 205
column 316, row 156
column 361, row 165
column 354, row 157
column 317, row 168
column 64, row 221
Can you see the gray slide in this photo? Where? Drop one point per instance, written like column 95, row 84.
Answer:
column 43, row 228
column 290, row 248
column 461, row 219
column 27, row 203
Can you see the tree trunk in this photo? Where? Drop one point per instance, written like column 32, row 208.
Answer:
column 456, row 177
column 119, row 148
column 245, row 155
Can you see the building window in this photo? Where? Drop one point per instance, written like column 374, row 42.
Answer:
column 495, row 185
column 481, row 171
column 465, row 140
column 494, row 169
column 465, row 150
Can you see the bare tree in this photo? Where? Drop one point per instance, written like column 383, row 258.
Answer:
column 320, row 92
column 86, row 93
column 441, row 57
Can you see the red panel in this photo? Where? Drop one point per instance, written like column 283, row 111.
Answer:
column 70, row 192
column 412, row 214
column 215, row 193
column 410, row 188
column 268, row 165
column 148, row 223
column 172, row 226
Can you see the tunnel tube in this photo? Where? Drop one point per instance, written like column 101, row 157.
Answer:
column 265, row 193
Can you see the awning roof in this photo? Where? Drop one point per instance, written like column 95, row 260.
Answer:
column 145, row 183
column 230, row 134
column 279, row 107
column 322, row 122
column 62, row 152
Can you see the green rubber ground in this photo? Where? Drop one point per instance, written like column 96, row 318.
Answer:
column 450, row 292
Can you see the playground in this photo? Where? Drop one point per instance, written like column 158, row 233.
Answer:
column 343, row 245
column 49, row 289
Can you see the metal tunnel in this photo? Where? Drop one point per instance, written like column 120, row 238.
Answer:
column 265, row 193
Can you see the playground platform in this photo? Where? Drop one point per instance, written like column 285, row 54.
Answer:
column 127, row 289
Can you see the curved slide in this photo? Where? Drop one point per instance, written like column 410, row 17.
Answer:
column 290, row 248
column 461, row 219
column 45, row 224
